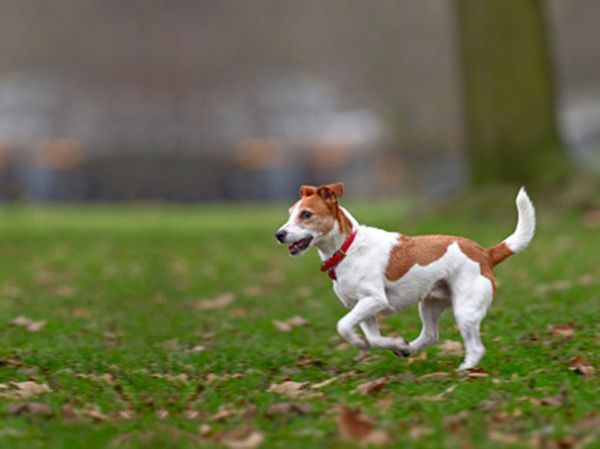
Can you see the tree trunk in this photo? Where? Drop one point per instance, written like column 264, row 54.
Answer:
column 508, row 92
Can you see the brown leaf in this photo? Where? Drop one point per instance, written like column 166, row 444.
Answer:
column 581, row 366
column 434, row 376
column 324, row 383
column 124, row 414
column 28, row 388
column 418, row 432
column 95, row 413
column 455, row 423
column 451, row 347
column 288, row 388
column 506, row 438
column 372, row 386
column 441, row 396
column 198, row 348
column 417, row 358
column 36, row 326
column 29, row 408
column 21, row 321
column 205, row 430
column 289, row 324
column 223, row 413
column 287, row 408
column 223, row 300
column 355, row 427
column 242, row 439
column 561, row 330
column 162, row 414
column 476, row 373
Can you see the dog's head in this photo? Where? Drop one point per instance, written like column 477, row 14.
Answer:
column 314, row 217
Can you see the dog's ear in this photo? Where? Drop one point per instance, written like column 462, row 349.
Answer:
column 331, row 192
column 307, row 190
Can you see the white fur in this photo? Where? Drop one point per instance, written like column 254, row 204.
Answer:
column 519, row 239
column 362, row 286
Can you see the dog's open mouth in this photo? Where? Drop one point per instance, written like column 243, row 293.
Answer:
column 299, row 246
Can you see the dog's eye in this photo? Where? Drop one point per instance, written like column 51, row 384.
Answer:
column 305, row 214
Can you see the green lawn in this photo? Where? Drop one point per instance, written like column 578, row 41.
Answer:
column 159, row 333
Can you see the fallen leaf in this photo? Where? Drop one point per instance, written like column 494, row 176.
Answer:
column 476, row 373
column 434, row 376
column 198, row 348
column 324, row 383
column 36, row 326
column 355, row 427
column 124, row 414
column 417, row 358
column 288, row 388
column 558, row 400
column 95, row 413
column 441, row 396
column 561, row 330
column 372, row 386
column 581, row 366
column 223, row 413
column 418, row 432
column 223, row 300
column 289, row 324
column 162, row 414
column 242, row 439
column 451, row 347
column 455, row 423
column 287, row 408
column 29, row 408
column 205, row 430
column 21, row 321
column 28, row 388
column 503, row 437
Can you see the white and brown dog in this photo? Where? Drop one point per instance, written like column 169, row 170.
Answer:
column 376, row 271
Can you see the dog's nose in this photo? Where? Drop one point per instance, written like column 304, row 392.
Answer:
column 281, row 236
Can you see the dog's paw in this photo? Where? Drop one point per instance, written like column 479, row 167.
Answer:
column 402, row 348
column 402, row 352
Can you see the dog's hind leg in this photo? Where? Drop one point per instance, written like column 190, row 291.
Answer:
column 470, row 308
column 430, row 310
column 371, row 330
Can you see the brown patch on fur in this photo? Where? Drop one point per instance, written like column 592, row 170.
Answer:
column 323, row 217
column 478, row 254
column 426, row 249
column 322, row 202
column 499, row 253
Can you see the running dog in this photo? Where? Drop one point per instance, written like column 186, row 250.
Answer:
column 378, row 272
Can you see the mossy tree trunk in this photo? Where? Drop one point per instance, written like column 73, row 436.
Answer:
column 509, row 92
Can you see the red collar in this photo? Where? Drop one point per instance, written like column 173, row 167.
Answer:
column 330, row 264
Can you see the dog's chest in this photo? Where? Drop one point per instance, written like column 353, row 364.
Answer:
column 362, row 272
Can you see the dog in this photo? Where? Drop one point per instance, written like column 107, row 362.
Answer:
column 380, row 272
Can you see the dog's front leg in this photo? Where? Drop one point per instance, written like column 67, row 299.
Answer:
column 365, row 308
column 398, row 346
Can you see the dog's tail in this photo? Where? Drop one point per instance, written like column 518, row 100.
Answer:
column 519, row 239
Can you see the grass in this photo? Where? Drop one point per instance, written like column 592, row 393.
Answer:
column 133, row 360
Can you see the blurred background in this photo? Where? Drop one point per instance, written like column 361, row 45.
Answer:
column 237, row 100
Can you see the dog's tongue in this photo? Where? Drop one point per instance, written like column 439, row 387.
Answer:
column 293, row 248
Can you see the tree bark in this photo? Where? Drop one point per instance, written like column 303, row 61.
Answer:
column 509, row 92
